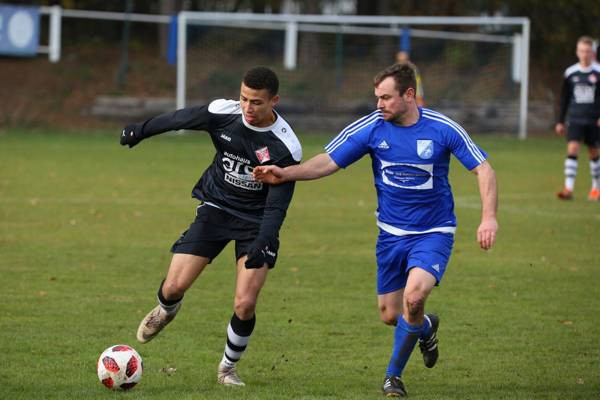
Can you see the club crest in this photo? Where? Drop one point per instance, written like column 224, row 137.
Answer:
column 262, row 155
column 425, row 148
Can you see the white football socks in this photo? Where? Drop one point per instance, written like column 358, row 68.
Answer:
column 595, row 173
column 570, row 173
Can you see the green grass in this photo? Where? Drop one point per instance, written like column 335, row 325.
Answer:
column 85, row 229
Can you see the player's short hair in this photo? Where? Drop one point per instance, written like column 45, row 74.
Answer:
column 403, row 74
column 262, row 78
column 589, row 41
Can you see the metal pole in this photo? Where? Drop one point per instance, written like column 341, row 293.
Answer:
column 125, row 46
column 352, row 19
column 54, row 34
column 181, row 61
column 291, row 45
column 524, row 81
column 339, row 59
column 516, row 63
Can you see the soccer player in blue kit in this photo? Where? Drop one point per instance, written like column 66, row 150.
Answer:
column 410, row 149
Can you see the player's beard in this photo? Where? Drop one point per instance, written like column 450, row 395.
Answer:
column 390, row 117
column 400, row 117
column 387, row 116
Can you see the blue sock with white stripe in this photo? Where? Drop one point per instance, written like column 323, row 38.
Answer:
column 238, row 335
column 405, row 338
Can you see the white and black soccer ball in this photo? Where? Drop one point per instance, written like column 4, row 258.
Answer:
column 120, row 367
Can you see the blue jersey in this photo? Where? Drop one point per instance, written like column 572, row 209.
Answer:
column 410, row 168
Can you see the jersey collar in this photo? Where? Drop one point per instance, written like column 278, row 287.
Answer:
column 261, row 129
column 587, row 69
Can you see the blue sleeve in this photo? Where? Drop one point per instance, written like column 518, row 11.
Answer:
column 463, row 148
column 353, row 142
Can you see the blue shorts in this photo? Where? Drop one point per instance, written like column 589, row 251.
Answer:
column 396, row 255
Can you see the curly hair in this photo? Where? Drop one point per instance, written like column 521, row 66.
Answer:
column 262, row 78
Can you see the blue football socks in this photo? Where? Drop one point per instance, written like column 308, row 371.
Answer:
column 405, row 338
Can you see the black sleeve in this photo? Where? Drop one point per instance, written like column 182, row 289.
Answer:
column 197, row 118
column 565, row 98
column 276, row 206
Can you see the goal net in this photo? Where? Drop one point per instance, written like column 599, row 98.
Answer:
column 469, row 73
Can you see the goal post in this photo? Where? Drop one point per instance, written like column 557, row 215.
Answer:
column 292, row 32
column 54, row 31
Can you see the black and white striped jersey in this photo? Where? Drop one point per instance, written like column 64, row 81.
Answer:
column 228, row 182
column 580, row 95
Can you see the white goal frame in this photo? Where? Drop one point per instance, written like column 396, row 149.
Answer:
column 389, row 26
column 54, row 26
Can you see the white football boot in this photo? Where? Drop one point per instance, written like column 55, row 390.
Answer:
column 227, row 375
column 154, row 322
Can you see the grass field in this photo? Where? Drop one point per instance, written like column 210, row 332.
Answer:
column 85, row 229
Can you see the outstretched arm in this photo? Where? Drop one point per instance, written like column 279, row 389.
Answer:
column 488, row 190
column 185, row 118
column 317, row 167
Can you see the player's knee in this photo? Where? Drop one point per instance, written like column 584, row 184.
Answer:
column 173, row 289
column 244, row 307
column 415, row 302
column 387, row 315
column 388, row 319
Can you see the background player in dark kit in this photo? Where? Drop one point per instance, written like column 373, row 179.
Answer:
column 580, row 109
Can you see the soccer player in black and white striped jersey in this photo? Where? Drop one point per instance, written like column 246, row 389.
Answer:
column 580, row 108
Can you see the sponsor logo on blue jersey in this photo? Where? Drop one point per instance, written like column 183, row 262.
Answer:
column 407, row 176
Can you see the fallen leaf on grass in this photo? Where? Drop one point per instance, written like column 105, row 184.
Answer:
column 168, row 370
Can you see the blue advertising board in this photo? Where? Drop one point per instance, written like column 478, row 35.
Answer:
column 19, row 30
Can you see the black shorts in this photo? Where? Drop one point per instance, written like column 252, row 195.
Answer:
column 212, row 230
column 588, row 133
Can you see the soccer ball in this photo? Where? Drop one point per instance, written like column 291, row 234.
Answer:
column 120, row 367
